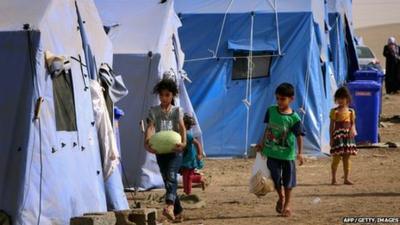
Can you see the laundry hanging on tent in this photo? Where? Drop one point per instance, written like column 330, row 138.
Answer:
column 116, row 86
column 56, row 64
column 108, row 144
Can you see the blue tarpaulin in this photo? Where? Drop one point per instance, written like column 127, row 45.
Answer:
column 341, row 36
column 217, row 98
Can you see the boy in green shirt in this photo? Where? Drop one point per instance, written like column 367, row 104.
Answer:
column 284, row 129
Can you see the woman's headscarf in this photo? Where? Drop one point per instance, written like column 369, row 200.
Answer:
column 391, row 40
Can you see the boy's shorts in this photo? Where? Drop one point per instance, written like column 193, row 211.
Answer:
column 283, row 172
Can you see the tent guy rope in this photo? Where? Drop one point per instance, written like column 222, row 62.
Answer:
column 247, row 100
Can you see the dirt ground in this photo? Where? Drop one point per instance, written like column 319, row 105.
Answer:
column 376, row 173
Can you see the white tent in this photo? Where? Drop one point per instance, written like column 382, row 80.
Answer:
column 146, row 46
column 51, row 167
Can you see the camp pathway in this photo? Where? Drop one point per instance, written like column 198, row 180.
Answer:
column 315, row 201
column 376, row 191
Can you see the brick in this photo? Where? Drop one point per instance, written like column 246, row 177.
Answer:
column 144, row 216
column 123, row 217
column 107, row 218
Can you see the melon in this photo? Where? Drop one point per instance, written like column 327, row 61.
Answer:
column 164, row 142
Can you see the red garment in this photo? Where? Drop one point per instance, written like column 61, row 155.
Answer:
column 189, row 177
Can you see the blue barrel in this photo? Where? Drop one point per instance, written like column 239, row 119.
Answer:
column 366, row 100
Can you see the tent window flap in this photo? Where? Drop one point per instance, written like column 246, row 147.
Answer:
column 261, row 64
column 64, row 103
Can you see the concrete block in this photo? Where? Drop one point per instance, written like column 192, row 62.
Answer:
column 141, row 216
column 107, row 218
column 123, row 217
column 144, row 216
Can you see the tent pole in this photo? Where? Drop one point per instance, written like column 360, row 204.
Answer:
column 277, row 28
column 89, row 58
column 36, row 118
column 247, row 100
column 338, row 63
column 307, row 83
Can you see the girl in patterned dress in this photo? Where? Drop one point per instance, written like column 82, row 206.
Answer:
column 342, row 133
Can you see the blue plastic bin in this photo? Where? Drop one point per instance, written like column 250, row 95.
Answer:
column 374, row 75
column 366, row 100
column 370, row 74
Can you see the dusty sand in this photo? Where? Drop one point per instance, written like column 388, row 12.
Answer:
column 376, row 37
column 376, row 192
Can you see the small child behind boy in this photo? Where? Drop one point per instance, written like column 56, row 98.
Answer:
column 191, row 158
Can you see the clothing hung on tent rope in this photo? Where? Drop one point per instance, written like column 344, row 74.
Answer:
column 116, row 86
column 105, row 131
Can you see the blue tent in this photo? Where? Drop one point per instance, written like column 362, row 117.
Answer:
column 290, row 32
column 342, row 39
column 51, row 167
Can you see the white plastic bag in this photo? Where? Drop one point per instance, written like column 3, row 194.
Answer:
column 261, row 182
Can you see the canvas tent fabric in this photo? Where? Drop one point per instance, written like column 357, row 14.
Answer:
column 92, row 34
column 244, row 6
column 45, row 173
column 342, row 39
column 212, row 28
column 146, row 47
